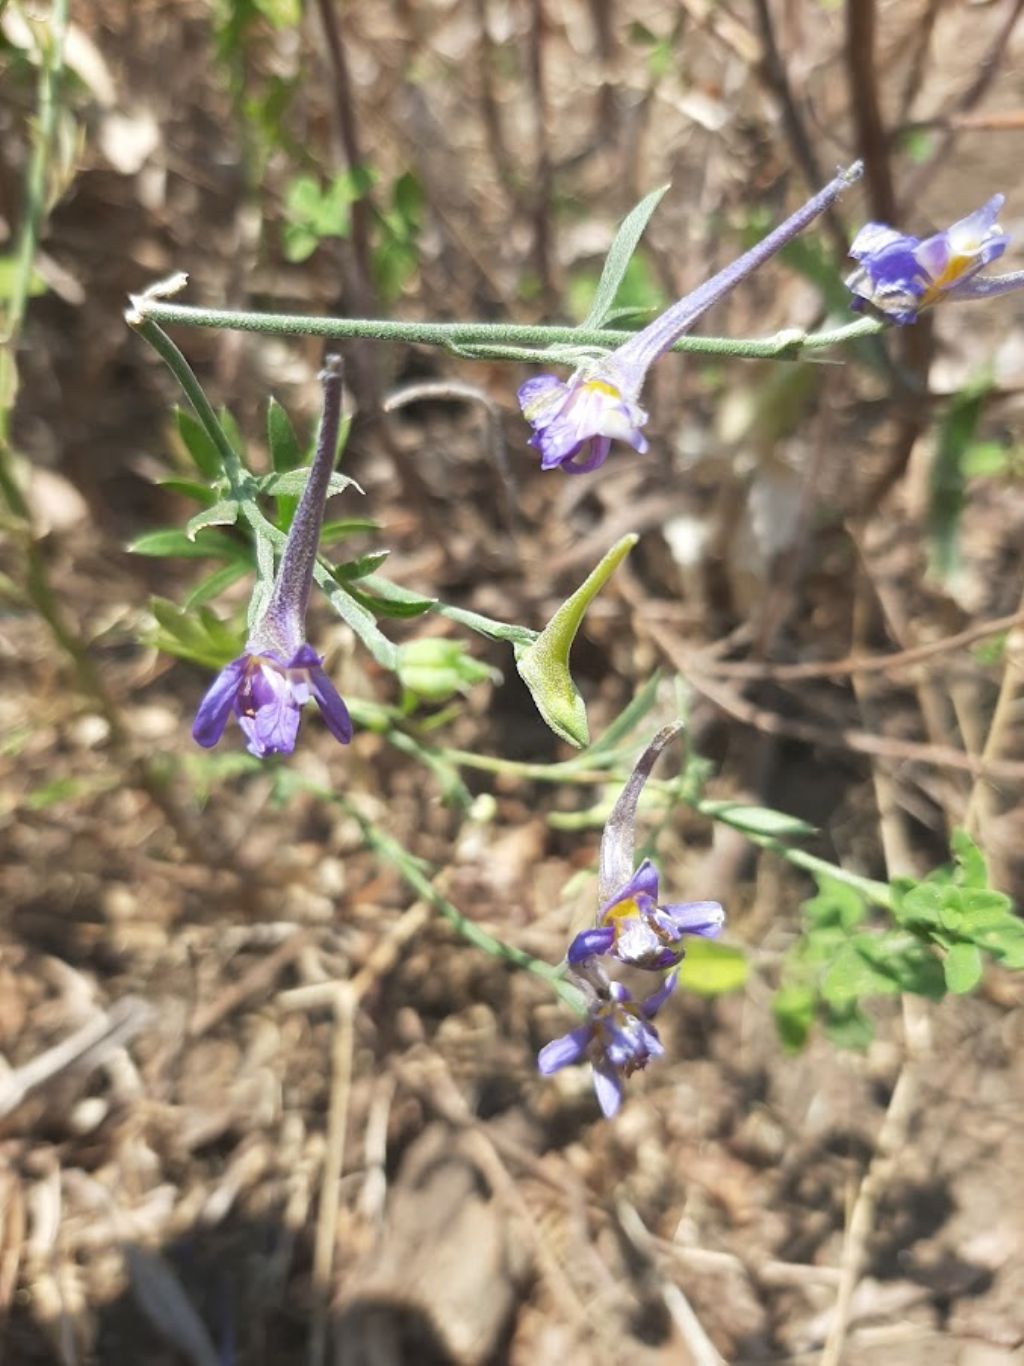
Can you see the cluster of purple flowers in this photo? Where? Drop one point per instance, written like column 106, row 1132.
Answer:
column 632, row 930
column 575, row 422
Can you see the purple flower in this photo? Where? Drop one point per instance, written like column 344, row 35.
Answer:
column 269, row 684
column 267, row 695
column 899, row 275
column 617, row 1039
column 574, row 423
column 633, row 928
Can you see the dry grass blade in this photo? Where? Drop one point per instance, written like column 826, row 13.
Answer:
column 87, row 1047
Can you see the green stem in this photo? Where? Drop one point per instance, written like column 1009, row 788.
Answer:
column 408, row 867
column 50, row 75
column 571, row 772
column 179, row 367
column 786, row 345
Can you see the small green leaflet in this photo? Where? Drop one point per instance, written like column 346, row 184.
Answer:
column 619, row 256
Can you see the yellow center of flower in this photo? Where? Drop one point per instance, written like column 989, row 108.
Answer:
column 602, row 386
column 955, row 267
column 622, row 910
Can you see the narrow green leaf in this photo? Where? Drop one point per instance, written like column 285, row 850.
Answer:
column 294, row 482
column 198, row 444
column 390, row 599
column 189, row 488
column 947, row 480
column 364, row 624
column 628, row 719
column 963, row 968
column 619, row 256
column 346, row 526
column 264, row 580
column 756, row 820
column 544, row 664
column 215, row 584
column 178, row 544
column 285, row 451
column 224, row 513
column 362, row 566
column 486, row 626
column 233, row 432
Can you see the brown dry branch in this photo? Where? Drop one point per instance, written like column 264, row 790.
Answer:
column 839, row 737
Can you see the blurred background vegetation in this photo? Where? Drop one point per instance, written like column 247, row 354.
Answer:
column 257, row 1102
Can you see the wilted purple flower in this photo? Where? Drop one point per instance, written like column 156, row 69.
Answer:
column 899, row 275
column 633, row 928
column 617, row 1039
column 269, row 684
column 575, row 422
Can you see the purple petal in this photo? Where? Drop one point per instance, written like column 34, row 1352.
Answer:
column 563, row 1052
column 332, row 708
column 215, row 708
column 274, row 727
column 644, row 881
column 590, row 944
column 705, row 918
column 968, row 233
column 540, row 396
column 657, row 999
column 874, row 238
column 608, row 1088
column 598, row 446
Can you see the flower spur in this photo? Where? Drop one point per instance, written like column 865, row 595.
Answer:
column 575, row 422
column 267, row 686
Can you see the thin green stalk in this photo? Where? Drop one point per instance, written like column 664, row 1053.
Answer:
column 179, row 367
column 51, row 73
column 787, row 345
column 571, row 772
column 409, row 868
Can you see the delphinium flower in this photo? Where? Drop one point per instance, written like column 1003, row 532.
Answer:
column 267, row 687
column 898, row 275
column 617, row 1039
column 618, row 1036
column 575, row 422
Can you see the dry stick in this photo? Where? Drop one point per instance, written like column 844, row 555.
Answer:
column 702, row 1350
column 772, row 71
column 602, row 20
column 360, row 273
column 259, row 978
column 861, row 664
column 975, row 92
column 345, row 998
column 872, row 144
column 841, row 738
column 923, row 28
column 489, row 108
column 542, row 173
column 446, row 1099
column 933, row 700
column 979, row 803
column 893, row 1134
column 867, row 116
column 891, row 1138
